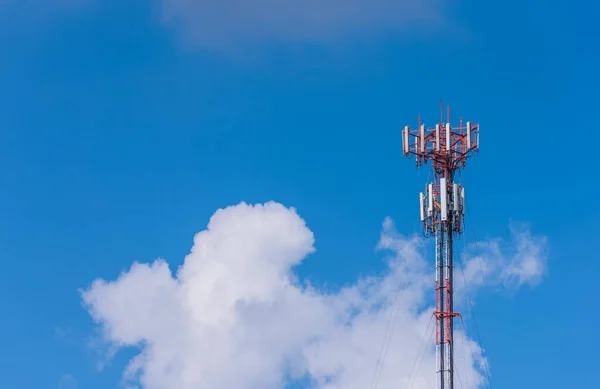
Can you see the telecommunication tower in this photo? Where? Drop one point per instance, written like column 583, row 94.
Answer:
column 442, row 214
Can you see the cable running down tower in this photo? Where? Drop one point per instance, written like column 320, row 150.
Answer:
column 442, row 214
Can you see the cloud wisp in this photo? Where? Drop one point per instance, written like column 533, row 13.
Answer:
column 232, row 23
column 234, row 316
column 67, row 381
column 234, row 26
column 522, row 261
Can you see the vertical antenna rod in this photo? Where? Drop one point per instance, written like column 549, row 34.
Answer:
column 442, row 214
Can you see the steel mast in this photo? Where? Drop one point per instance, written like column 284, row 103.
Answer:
column 442, row 215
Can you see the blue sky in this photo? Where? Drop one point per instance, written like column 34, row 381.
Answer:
column 122, row 134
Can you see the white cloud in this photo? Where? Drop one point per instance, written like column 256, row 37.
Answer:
column 522, row 261
column 228, row 23
column 235, row 317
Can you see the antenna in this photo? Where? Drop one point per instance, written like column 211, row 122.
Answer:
column 447, row 148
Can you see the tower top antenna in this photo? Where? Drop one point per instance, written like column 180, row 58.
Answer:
column 445, row 146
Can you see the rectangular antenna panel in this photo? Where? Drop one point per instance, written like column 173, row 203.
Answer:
column 455, row 195
column 478, row 137
column 422, row 205
column 443, row 199
column 448, row 138
column 437, row 137
column 430, row 200
column 468, row 136
column 417, row 150
column 405, row 144
column 422, row 138
column 462, row 200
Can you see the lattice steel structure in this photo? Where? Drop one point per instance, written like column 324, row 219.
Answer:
column 442, row 215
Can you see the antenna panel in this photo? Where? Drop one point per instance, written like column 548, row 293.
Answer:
column 455, row 194
column 448, row 138
column 416, row 150
column 430, row 200
column 422, row 205
column 437, row 137
column 468, row 136
column 422, row 138
column 443, row 199
column 462, row 200
column 405, row 144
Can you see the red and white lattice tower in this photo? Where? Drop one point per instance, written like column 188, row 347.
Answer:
column 442, row 213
